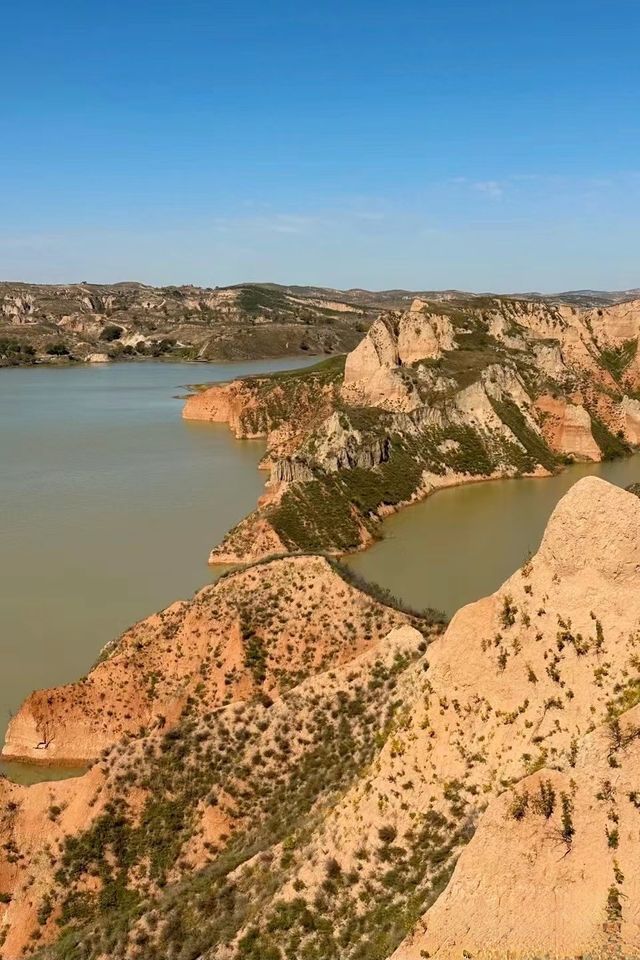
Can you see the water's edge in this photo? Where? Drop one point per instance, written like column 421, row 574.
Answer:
column 98, row 460
column 110, row 505
column 461, row 542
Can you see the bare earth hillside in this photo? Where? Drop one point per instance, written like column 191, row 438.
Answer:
column 190, row 720
column 92, row 322
column 261, row 629
column 355, row 784
column 98, row 323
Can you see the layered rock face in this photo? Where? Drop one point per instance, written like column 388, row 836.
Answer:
column 371, row 372
column 521, row 326
column 616, row 324
column 282, row 408
column 446, row 392
column 630, row 415
column 567, row 427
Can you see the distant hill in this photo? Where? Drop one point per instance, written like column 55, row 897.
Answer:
column 130, row 320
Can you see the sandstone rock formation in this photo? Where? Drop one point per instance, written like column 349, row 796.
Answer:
column 567, row 427
column 98, row 358
column 630, row 418
column 445, row 392
column 372, row 376
column 282, row 408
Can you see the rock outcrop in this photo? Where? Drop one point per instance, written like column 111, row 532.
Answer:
column 282, row 408
column 371, row 375
column 616, row 324
column 567, row 428
column 446, row 392
column 98, row 358
column 235, row 404
column 630, row 418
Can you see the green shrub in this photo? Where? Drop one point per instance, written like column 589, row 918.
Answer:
column 111, row 332
column 610, row 446
column 617, row 359
column 57, row 349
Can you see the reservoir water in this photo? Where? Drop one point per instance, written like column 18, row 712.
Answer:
column 462, row 543
column 109, row 505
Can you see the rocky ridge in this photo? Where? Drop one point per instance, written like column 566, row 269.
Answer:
column 159, row 719
column 392, row 792
column 443, row 393
column 231, row 639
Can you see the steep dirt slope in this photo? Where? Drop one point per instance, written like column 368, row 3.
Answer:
column 549, row 869
column 222, row 775
column 516, row 684
column 444, row 393
column 261, row 629
column 328, row 824
column 552, row 867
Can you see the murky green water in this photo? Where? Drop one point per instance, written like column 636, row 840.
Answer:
column 461, row 544
column 110, row 502
column 109, row 505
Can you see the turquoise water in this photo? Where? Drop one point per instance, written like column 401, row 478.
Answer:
column 109, row 505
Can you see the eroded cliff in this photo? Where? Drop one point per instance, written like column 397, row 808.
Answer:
column 53, row 323
column 444, row 393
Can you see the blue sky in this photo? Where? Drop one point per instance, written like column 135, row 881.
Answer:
column 479, row 144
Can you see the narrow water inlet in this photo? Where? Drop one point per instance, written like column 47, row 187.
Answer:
column 461, row 543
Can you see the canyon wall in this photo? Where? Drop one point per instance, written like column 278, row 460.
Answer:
column 442, row 393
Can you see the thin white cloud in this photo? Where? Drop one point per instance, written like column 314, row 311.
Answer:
column 490, row 188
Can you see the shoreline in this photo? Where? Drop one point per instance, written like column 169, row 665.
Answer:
column 429, row 485
column 387, row 511
column 66, row 364
column 437, row 482
column 141, row 394
column 65, row 763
